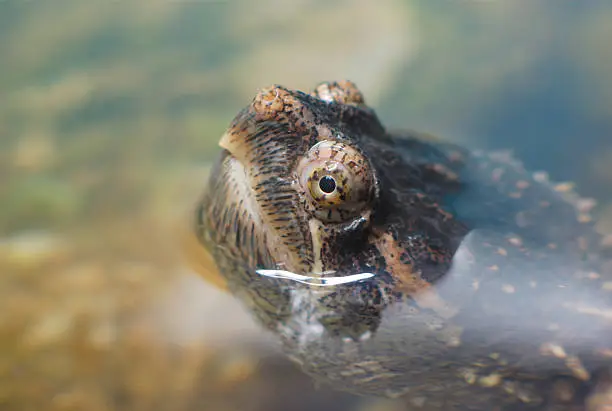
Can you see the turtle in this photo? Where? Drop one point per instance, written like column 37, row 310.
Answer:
column 393, row 263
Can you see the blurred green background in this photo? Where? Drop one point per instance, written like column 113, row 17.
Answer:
column 110, row 112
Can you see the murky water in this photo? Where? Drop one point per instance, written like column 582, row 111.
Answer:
column 110, row 112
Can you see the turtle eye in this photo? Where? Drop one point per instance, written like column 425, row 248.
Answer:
column 336, row 180
column 329, row 183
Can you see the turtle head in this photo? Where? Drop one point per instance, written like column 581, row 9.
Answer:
column 312, row 184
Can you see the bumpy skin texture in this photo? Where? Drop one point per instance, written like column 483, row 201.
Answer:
column 491, row 289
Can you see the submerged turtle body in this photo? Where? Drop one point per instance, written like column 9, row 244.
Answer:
column 393, row 264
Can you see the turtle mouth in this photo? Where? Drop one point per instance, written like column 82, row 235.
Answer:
column 229, row 220
column 267, row 202
column 238, row 190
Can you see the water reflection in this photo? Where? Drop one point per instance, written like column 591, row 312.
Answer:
column 323, row 279
column 538, row 321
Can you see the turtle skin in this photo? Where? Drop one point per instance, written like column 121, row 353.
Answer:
column 490, row 288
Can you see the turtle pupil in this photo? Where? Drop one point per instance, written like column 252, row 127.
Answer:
column 327, row 184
